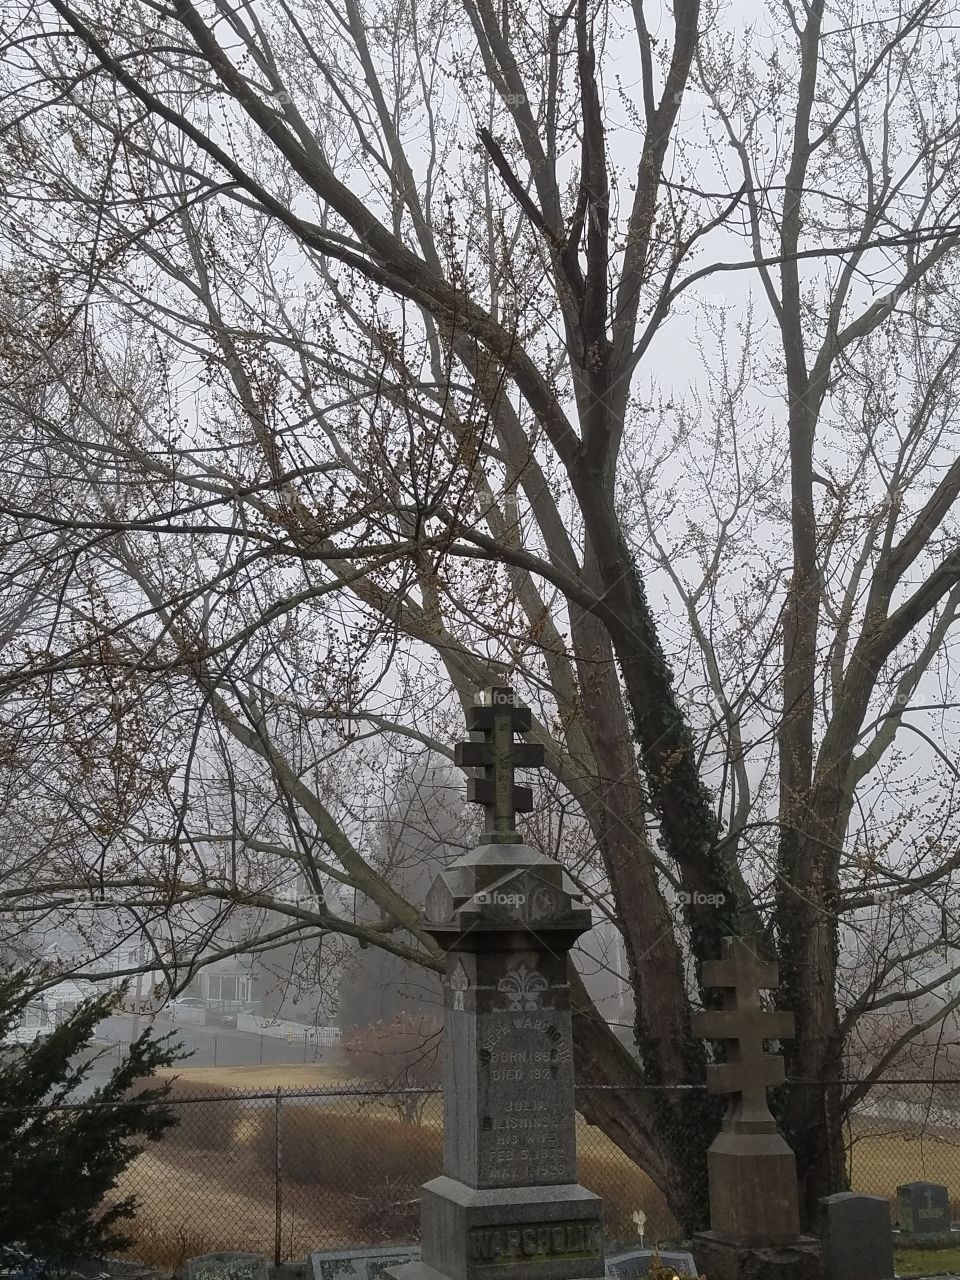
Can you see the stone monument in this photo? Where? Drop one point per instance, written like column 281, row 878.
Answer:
column 754, row 1207
column 508, row 1202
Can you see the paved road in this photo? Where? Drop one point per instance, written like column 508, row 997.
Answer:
column 215, row 1046
column 205, row 1046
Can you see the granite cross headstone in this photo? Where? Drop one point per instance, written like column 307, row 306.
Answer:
column 226, row 1266
column 752, row 1171
column 856, row 1237
column 496, row 720
column 507, row 1202
column 743, row 1025
column 923, row 1208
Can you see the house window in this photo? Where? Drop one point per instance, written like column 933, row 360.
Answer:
column 228, row 988
column 36, row 1015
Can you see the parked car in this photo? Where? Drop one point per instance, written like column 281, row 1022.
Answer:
column 228, row 1017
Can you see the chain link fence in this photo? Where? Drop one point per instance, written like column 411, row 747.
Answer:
column 286, row 1172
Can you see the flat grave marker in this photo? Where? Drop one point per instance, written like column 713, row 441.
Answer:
column 226, row 1266
column 360, row 1264
column 632, row 1264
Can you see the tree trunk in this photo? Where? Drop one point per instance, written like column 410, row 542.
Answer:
column 814, row 1129
column 664, row 1131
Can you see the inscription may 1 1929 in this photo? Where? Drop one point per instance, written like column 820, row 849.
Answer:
column 524, row 1096
column 525, row 1242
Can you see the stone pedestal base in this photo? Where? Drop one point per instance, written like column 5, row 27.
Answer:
column 721, row 1259
column 511, row 1233
column 753, row 1187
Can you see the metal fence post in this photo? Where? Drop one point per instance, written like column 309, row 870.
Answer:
column 277, row 1242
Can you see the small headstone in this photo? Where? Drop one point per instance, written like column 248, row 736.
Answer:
column 856, row 1237
column 226, row 1266
column 635, row 1263
column 360, row 1264
column 923, row 1208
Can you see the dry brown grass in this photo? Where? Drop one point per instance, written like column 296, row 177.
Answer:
column 210, row 1124
column 315, row 1075
column 197, row 1200
column 348, row 1153
column 222, row 1195
column 624, row 1189
column 880, row 1160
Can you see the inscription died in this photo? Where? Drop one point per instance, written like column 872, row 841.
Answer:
column 526, row 1096
column 494, row 1246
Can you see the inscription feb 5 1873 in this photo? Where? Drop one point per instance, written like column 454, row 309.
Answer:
column 526, row 1099
column 544, row 1241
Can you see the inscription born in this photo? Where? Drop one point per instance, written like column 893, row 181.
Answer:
column 498, row 1245
column 523, row 1064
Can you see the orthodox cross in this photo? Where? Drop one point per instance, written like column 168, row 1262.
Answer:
column 498, row 718
column 743, row 1025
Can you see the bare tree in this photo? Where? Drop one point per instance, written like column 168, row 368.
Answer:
column 324, row 332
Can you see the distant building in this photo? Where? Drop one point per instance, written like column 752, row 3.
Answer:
column 227, row 985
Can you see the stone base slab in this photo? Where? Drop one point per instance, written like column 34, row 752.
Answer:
column 721, row 1259
column 927, row 1239
column 509, row 1233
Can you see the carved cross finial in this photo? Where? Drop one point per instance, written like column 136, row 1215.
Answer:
column 743, row 1025
column 498, row 718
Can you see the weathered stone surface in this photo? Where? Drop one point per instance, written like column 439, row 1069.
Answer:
column 635, row 1263
column 359, row 1264
column 507, row 1203
column 927, row 1240
column 552, row 1232
column 726, row 1260
column 752, row 1171
column 753, row 1188
column 923, row 1208
column 524, row 1073
column 226, row 1266
column 497, row 719
column 508, row 1062
column 856, row 1237
column 743, row 1025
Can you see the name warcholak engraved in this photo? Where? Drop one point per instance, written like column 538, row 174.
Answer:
column 533, row 1241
